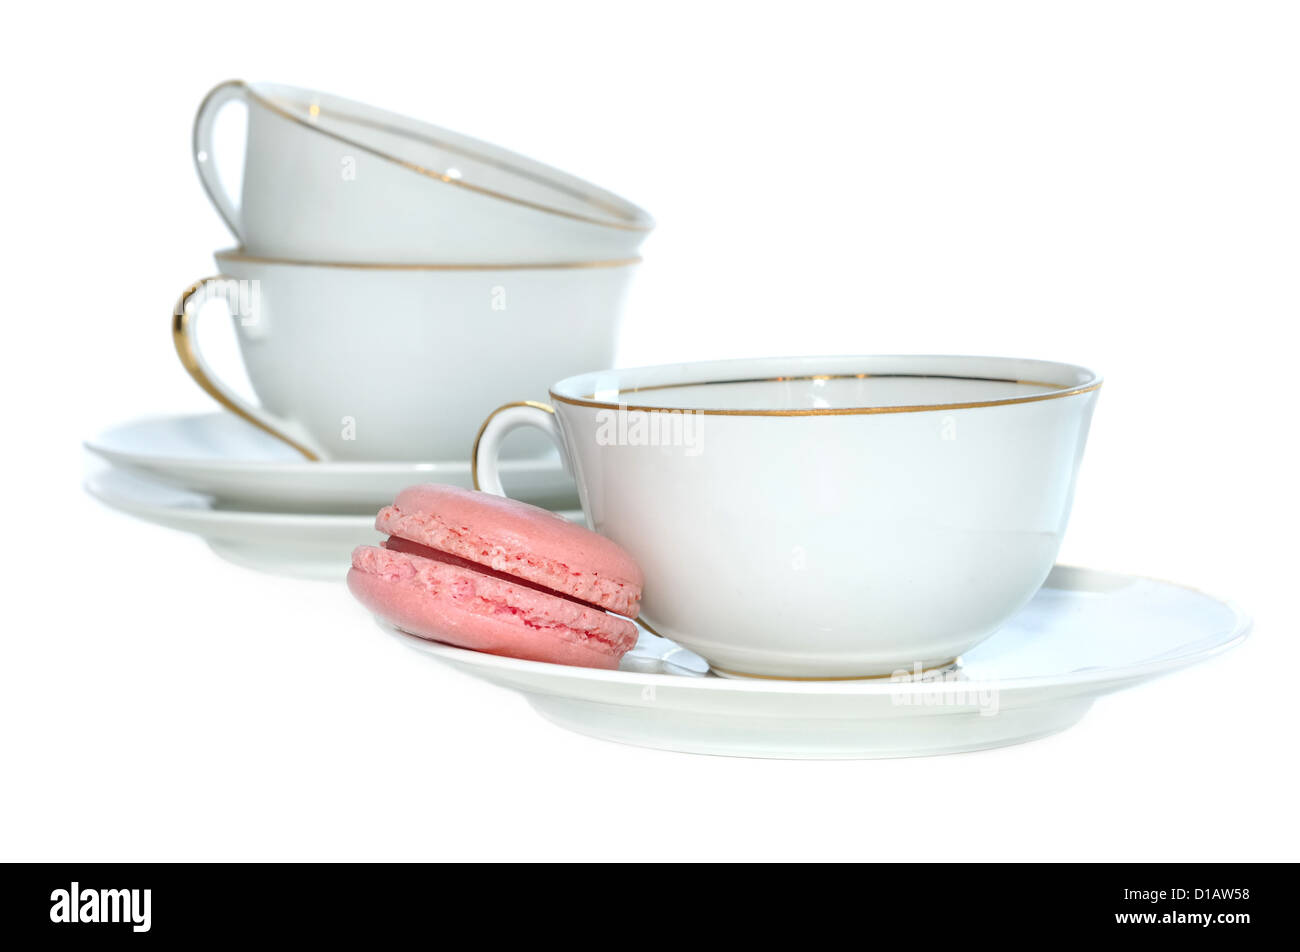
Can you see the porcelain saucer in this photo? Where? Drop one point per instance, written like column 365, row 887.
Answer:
column 303, row 545
column 1086, row 633
column 222, row 456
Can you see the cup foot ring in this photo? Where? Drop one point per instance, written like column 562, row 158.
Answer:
column 926, row 673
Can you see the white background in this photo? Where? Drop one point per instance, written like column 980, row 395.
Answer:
column 1112, row 184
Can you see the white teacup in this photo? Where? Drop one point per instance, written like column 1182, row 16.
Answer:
column 815, row 517
column 358, row 362
column 326, row 179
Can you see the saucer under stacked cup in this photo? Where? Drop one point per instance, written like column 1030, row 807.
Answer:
column 394, row 282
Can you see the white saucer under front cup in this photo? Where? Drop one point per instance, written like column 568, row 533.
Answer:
column 221, row 456
column 1085, row 634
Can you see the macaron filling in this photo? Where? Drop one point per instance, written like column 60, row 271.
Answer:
column 514, row 552
column 398, row 544
column 444, row 581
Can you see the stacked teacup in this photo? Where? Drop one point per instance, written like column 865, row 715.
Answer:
column 395, row 282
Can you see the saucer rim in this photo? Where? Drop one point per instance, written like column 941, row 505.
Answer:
column 211, row 517
column 118, row 457
column 218, row 517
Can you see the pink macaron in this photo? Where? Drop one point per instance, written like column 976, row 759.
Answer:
column 496, row 575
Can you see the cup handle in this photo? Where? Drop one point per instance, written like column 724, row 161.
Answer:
column 192, row 360
column 500, row 422
column 205, row 161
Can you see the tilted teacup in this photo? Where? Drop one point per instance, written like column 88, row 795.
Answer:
column 824, row 517
column 327, row 179
column 399, row 362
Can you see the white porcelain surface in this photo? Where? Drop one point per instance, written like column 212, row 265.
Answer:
column 794, row 530
column 302, row 545
column 385, row 364
column 222, row 456
column 333, row 180
column 1084, row 634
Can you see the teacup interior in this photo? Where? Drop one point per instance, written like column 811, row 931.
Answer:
column 836, row 393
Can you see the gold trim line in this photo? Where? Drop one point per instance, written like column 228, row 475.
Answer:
column 833, row 411
column 238, row 254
